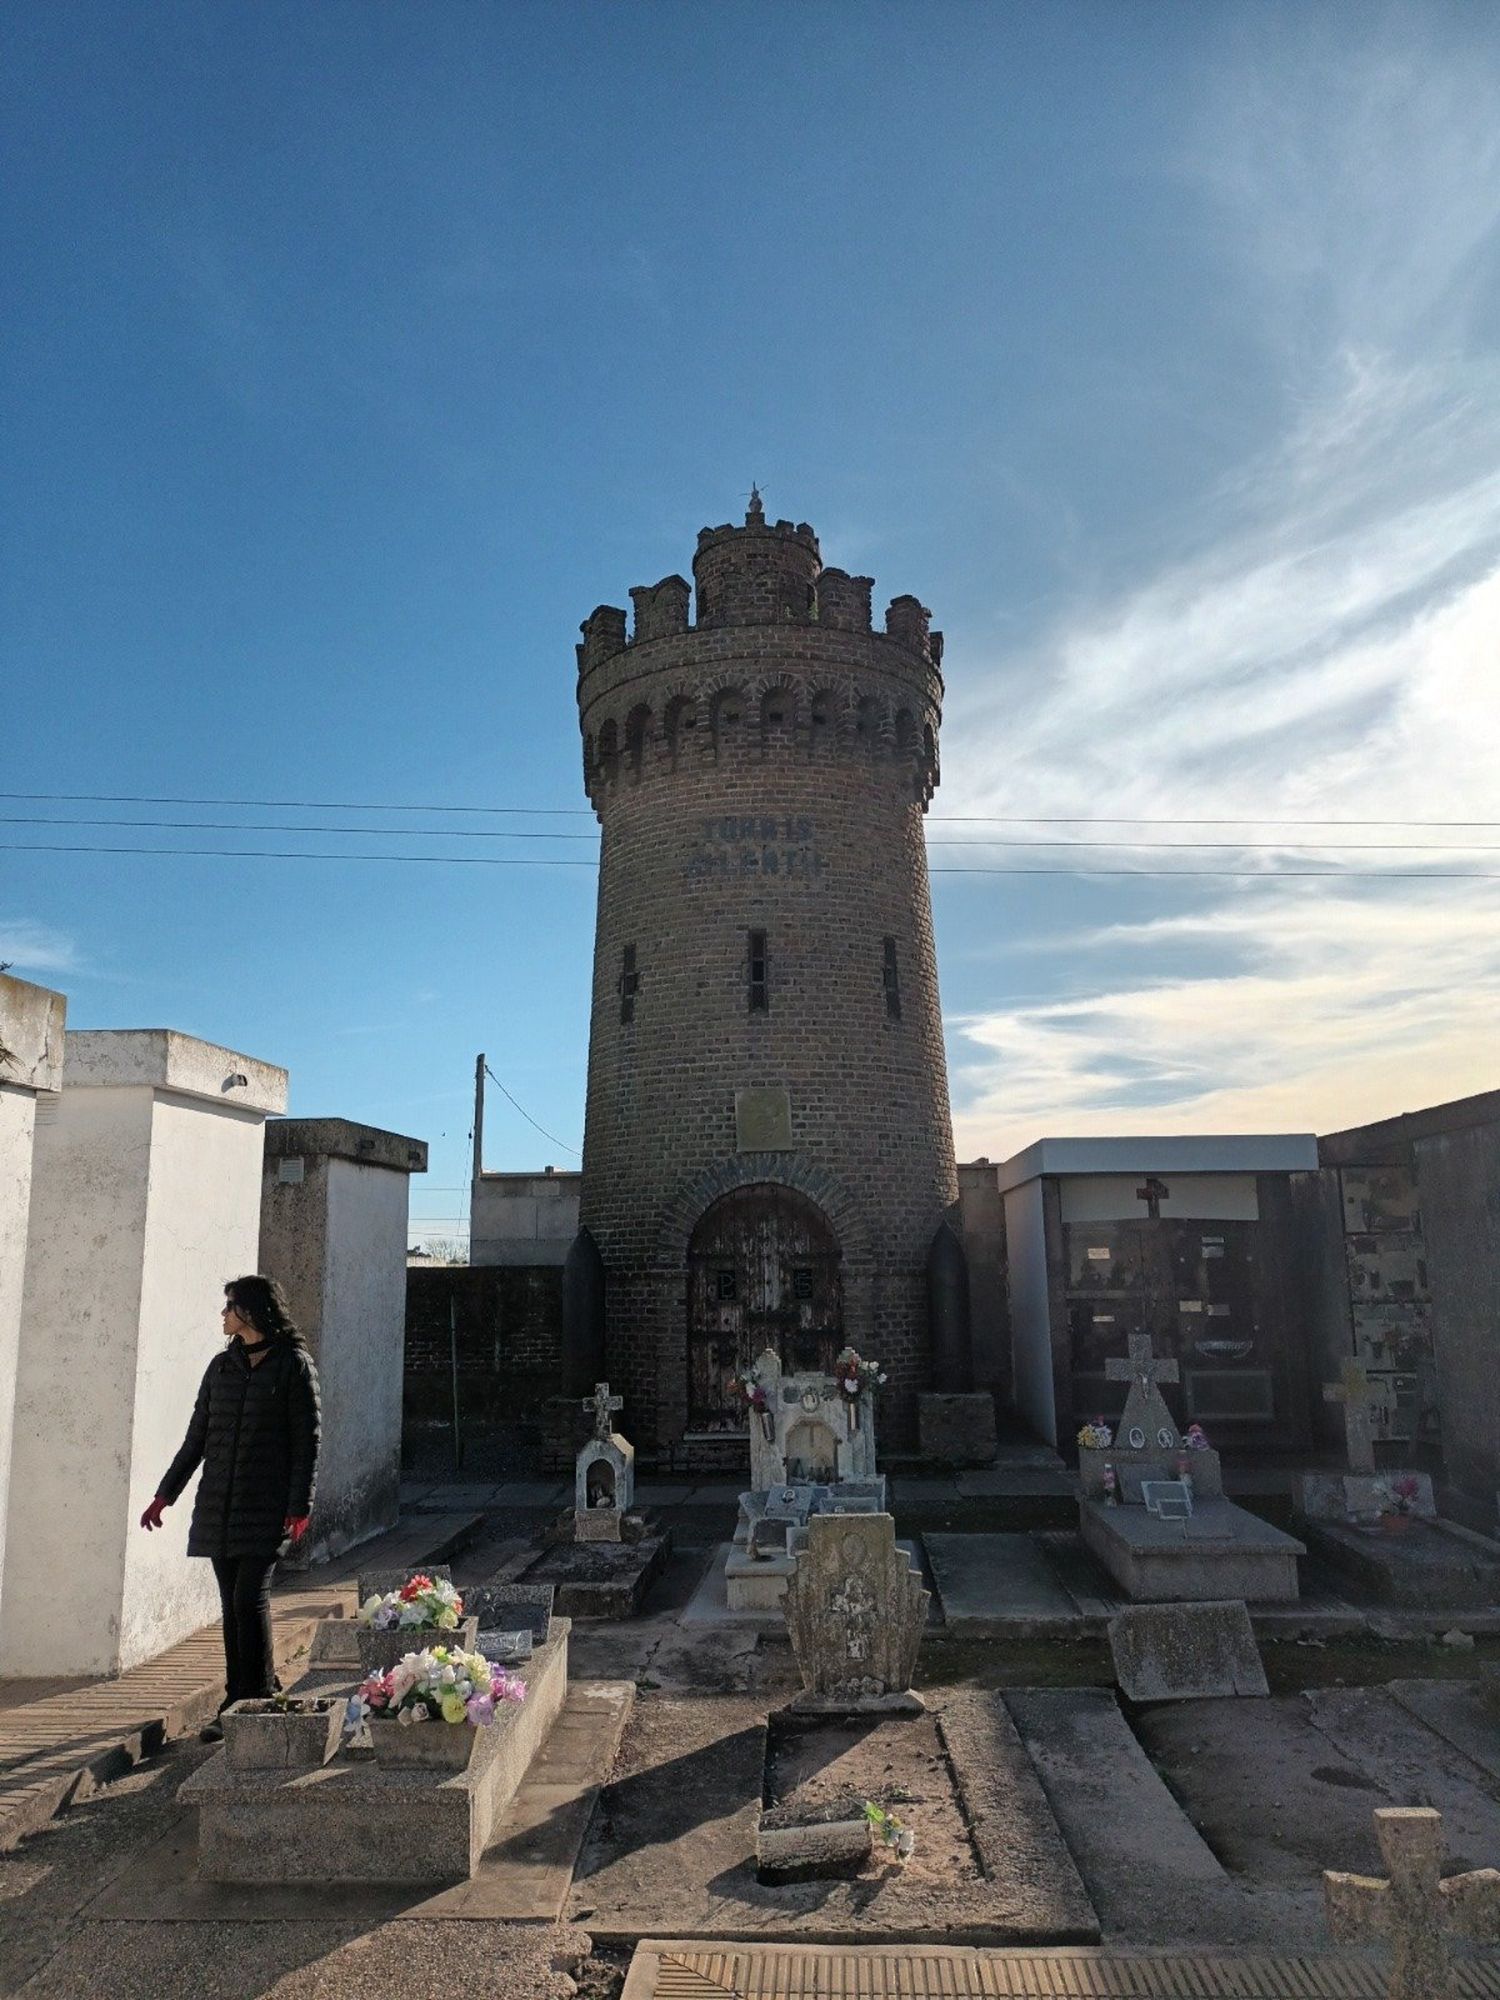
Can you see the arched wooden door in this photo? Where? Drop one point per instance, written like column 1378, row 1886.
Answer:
column 763, row 1271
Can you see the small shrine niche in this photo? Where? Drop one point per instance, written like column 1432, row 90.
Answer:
column 604, row 1478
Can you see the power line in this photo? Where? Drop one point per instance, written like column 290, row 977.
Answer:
column 527, row 1115
column 509, row 833
column 253, row 826
column 940, row 868
column 583, row 812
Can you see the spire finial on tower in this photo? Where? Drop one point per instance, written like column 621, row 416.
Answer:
column 755, row 516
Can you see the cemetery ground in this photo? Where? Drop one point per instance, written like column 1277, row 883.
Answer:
column 1071, row 1834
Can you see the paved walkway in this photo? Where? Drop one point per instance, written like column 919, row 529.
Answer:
column 61, row 1740
column 703, row 1971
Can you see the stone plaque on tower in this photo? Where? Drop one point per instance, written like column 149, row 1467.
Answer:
column 763, row 1120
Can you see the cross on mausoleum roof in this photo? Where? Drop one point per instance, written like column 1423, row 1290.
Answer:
column 1153, row 1194
column 1145, row 1416
column 1415, row 1910
column 604, row 1406
column 1354, row 1392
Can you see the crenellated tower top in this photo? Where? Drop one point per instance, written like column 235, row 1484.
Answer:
column 782, row 661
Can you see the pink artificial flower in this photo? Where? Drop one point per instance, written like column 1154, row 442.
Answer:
column 481, row 1709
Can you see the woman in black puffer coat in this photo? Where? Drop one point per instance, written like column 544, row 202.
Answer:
column 255, row 1430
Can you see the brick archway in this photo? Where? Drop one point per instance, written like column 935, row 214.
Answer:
column 789, row 1170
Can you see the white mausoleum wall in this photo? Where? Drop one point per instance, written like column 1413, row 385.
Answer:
column 360, row 1352
column 334, row 1213
column 31, row 1036
column 145, row 1200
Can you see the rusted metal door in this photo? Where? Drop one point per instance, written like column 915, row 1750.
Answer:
column 763, row 1271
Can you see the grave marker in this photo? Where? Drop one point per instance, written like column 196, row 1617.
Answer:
column 1353, row 1390
column 1415, row 1910
column 1146, row 1422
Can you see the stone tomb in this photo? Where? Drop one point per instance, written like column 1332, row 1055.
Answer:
column 812, row 1451
column 1184, row 1546
column 809, row 1432
column 357, row 1820
column 602, row 1556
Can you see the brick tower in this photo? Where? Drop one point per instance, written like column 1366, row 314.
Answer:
column 768, row 1151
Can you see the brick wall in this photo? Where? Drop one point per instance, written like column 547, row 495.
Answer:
column 764, row 770
column 509, row 1340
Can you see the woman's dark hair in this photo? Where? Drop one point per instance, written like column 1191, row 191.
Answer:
column 262, row 1302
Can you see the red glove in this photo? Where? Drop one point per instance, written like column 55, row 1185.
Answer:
column 152, row 1516
column 295, row 1525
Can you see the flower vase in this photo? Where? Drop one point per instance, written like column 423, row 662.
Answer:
column 379, row 1651
column 853, row 1402
column 1396, row 1524
column 433, row 1745
column 767, row 1426
column 298, row 1735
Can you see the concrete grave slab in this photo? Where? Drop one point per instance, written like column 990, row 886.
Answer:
column 1001, row 1584
column 1177, row 1652
column 673, row 1845
column 1141, row 1857
column 1420, row 1569
column 1223, row 1552
column 1458, row 1711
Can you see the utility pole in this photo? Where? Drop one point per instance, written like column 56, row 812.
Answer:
column 478, row 1117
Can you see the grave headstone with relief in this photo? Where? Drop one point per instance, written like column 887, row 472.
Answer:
column 855, row 1608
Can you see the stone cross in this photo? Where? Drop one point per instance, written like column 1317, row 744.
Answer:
column 1415, row 1910
column 603, row 1405
column 1354, row 1392
column 1144, row 1408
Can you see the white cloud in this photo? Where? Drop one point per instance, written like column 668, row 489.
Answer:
column 1326, row 646
column 29, row 947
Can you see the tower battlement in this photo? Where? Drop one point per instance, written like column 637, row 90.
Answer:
column 759, row 574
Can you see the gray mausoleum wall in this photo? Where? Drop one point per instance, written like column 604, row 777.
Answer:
column 1458, row 1179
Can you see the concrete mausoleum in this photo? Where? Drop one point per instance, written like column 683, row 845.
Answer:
column 1179, row 1238
column 145, row 1199
column 333, row 1228
column 31, row 1059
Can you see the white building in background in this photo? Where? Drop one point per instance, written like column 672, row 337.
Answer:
column 31, row 1061
column 146, row 1198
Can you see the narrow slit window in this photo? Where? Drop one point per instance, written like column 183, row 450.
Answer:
column 759, row 988
column 630, row 983
column 891, row 979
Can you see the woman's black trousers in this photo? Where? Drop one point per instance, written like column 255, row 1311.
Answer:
column 245, row 1593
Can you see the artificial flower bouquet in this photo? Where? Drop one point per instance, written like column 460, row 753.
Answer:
column 750, row 1386
column 419, row 1601
column 1195, row 1438
column 857, row 1377
column 415, row 1615
column 1398, row 1496
column 439, row 1684
column 1095, row 1436
column 443, row 1684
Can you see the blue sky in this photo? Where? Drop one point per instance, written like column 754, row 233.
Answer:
column 358, row 351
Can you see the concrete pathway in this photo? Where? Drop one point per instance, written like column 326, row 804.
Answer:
column 59, row 1742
